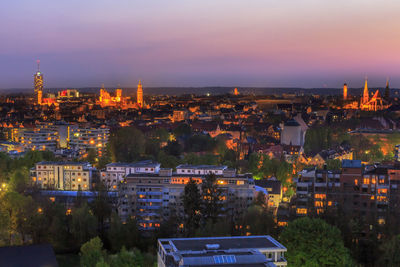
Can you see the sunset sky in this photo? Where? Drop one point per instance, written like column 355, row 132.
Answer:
column 264, row 43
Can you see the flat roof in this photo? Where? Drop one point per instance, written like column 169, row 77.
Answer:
column 225, row 243
column 144, row 163
column 61, row 163
column 347, row 163
column 188, row 166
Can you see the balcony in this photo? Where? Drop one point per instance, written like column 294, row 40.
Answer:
column 149, row 200
column 302, row 184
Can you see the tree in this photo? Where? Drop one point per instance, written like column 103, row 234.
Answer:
column 127, row 144
column 83, row 225
column 173, row 148
column 313, row 242
column 211, row 198
column 257, row 221
column 191, row 204
column 19, row 180
column 101, row 207
column 167, row 161
column 127, row 258
column 92, row 252
column 91, row 156
column 390, row 256
column 122, row 235
column 183, row 130
column 333, row 164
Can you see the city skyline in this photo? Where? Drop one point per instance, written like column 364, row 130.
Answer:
column 223, row 43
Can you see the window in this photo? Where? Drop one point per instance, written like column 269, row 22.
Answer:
column 220, row 259
column 301, row 211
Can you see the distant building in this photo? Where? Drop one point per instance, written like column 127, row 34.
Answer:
column 140, row 95
column 39, row 139
column 82, row 139
column 374, row 103
column 292, row 134
column 274, row 189
column 179, row 115
column 62, row 175
column 345, row 92
column 221, row 251
column 38, row 85
column 68, row 93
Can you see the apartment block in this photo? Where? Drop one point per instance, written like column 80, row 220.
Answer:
column 152, row 197
column 39, row 139
column 114, row 173
column 69, row 176
column 365, row 192
column 82, row 139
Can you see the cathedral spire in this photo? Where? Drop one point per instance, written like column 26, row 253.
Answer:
column 365, row 94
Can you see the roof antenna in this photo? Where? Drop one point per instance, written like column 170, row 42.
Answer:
column 38, row 65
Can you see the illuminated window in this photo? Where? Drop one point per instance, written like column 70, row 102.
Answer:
column 319, row 204
column 366, row 181
column 320, row 196
column 382, row 191
column 282, row 224
column 356, row 182
column 301, row 211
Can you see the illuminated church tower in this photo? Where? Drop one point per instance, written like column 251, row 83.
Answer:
column 38, row 85
column 140, row 95
column 235, row 92
column 365, row 98
column 345, row 91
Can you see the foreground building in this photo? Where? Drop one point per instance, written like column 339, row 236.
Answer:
column 62, row 175
column 221, row 251
column 115, row 173
column 152, row 197
column 367, row 193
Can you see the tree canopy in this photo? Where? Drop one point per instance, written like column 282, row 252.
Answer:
column 313, row 242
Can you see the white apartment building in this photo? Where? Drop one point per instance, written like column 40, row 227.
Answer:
column 114, row 173
column 70, row 176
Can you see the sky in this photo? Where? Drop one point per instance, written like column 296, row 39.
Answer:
column 255, row 43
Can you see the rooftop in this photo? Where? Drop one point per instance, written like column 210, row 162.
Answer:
column 33, row 255
column 347, row 163
column 144, row 163
column 208, row 167
column 225, row 243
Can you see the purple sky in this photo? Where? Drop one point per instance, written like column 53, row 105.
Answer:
column 265, row 43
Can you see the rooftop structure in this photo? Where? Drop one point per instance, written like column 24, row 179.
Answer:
column 221, row 251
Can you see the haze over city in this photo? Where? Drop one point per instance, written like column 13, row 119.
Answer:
column 306, row 43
